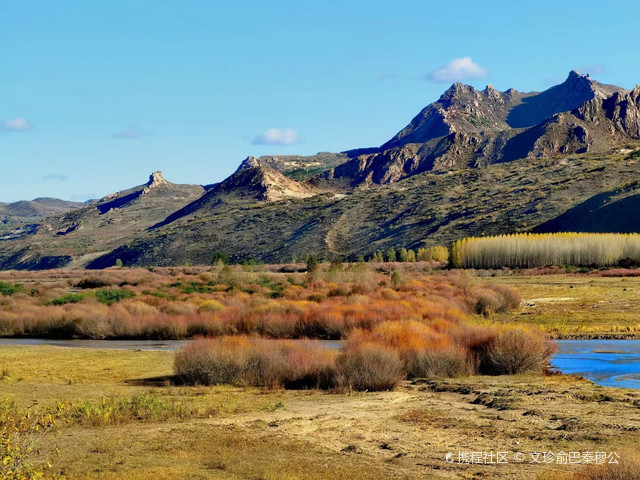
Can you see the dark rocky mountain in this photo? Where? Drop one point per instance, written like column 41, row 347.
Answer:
column 472, row 163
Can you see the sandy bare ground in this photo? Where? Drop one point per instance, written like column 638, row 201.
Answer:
column 405, row 433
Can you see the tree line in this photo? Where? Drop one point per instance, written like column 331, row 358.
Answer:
column 529, row 250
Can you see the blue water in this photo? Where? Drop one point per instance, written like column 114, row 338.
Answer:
column 612, row 363
column 125, row 344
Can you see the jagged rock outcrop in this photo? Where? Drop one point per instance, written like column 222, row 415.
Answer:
column 156, row 180
column 471, row 128
column 263, row 183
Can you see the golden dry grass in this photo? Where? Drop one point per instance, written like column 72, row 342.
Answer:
column 582, row 306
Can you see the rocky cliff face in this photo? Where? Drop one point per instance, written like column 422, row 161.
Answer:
column 471, row 128
column 264, row 184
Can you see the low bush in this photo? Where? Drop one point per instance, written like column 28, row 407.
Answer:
column 369, row 367
column 491, row 299
column 118, row 410
column 448, row 362
column 210, row 306
column 95, row 282
column 10, row 288
column 516, row 350
column 69, row 298
column 109, row 297
column 246, row 361
column 20, row 433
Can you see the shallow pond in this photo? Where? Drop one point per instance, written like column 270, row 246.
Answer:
column 613, row 363
column 123, row 344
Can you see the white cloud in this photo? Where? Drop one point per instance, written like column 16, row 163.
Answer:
column 457, row 70
column 276, row 136
column 56, row 176
column 131, row 133
column 17, row 124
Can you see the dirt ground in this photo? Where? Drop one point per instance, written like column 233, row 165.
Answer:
column 237, row 433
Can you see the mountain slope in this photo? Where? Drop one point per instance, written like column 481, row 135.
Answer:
column 96, row 228
column 611, row 211
column 426, row 209
column 246, row 186
column 34, row 210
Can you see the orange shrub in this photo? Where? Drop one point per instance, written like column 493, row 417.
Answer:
column 517, row 350
column 182, row 302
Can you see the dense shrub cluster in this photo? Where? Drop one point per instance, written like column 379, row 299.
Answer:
column 242, row 360
column 328, row 303
column 9, row 288
column 371, row 360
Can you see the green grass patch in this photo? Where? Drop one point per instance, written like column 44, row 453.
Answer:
column 109, row 297
column 65, row 299
column 10, row 288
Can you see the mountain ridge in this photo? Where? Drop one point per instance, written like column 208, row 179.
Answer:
column 474, row 162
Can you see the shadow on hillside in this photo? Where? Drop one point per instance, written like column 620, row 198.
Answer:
column 600, row 213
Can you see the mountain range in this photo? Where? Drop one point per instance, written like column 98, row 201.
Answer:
column 474, row 162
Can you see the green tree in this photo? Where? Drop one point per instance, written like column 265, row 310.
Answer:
column 396, row 279
column 391, row 254
column 119, row 263
column 312, row 263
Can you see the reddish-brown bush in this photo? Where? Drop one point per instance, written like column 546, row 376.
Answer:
column 369, row 367
column 249, row 361
column 516, row 350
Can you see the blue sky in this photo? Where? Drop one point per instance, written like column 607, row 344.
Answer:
column 94, row 95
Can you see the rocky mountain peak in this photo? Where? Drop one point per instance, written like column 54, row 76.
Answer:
column 456, row 92
column 249, row 162
column 468, row 127
column 156, row 180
